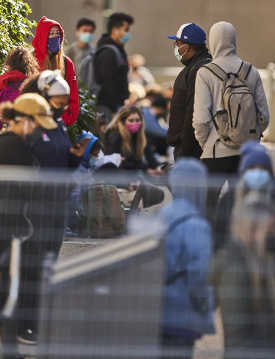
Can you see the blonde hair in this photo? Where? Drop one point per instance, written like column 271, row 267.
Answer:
column 55, row 62
column 118, row 124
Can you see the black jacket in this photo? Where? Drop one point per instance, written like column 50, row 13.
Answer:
column 113, row 144
column 13, row 194
column 14, row 151
column 181, row 132
column 111, row 75
column 52, row 148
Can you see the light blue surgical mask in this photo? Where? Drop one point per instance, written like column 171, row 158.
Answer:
column 256, row 178
column 92, row 162
column 177, row 54
column 86, row 37
column 126, row 37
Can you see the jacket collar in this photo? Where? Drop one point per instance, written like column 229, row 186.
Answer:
column 198, row 55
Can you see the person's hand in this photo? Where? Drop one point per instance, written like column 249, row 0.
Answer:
column 78, row 150
column 155, row 172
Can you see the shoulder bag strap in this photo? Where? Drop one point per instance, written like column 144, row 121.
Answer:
column 119, row 57
column 217, row 71
column 244, row 71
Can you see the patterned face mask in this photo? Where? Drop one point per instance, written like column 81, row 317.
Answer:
column 54, row 44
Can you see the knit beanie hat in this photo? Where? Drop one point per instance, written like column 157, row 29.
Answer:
column 53, row 84
column 255, row 158
column 251, row 146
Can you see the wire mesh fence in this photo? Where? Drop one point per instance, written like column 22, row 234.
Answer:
column 91, row 297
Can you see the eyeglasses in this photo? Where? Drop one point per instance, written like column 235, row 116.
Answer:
column 54, row 33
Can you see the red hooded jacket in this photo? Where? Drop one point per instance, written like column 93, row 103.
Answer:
column 40, row 43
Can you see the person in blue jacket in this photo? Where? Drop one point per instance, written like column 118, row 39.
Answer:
column 188, row 302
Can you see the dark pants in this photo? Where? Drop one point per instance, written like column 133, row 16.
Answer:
column 47, row 214
column 220, row 170
column 176, row 347
column 33, row 255
column 179, row 152
column 225, row 166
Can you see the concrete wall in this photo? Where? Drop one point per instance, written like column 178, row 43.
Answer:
column 155, row 19
column 67, row 12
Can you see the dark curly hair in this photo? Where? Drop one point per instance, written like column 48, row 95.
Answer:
column 21, row 59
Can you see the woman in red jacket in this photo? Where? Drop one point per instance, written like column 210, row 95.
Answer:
column 48, row 50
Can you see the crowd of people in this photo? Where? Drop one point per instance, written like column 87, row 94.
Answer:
column 212, row 119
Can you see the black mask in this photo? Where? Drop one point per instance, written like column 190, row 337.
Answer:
column 57, row 112
column 34, row 137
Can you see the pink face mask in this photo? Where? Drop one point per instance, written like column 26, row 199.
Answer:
column 133, row 127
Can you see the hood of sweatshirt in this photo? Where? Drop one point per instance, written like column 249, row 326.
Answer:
column 188, row 180
column 40, row 40
column 222, row 40
column 11, row 77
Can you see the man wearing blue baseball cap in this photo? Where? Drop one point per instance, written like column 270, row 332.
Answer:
column 190, row 50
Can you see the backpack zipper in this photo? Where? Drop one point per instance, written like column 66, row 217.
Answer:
column 230, row 113
column 238, row 114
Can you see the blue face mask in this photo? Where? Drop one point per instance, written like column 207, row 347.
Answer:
column 54, row 44
column 177, row 54
column 256, row 178
column 86, row 37
column 92, row 162
column 126, row 37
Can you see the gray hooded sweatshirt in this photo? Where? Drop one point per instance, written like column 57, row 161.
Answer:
column 208, row 93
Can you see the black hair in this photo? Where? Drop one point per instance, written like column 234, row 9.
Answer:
column 84, row 21
column 30, row 85
column 9, row 113
column 198, row 47
column 117, row 20
column 160, row 102
column 96, row 146
column 151, row 95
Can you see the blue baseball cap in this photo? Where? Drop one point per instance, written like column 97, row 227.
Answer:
column 190, row 34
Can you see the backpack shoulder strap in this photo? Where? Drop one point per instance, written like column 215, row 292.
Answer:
column 216, row 70
column 244, row 71
column 119, row 57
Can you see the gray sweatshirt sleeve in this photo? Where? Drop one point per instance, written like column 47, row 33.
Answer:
column 261, row 102
column 202, row 116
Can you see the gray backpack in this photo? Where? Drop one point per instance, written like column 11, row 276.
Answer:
column 86, row 68
column 237, row 119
